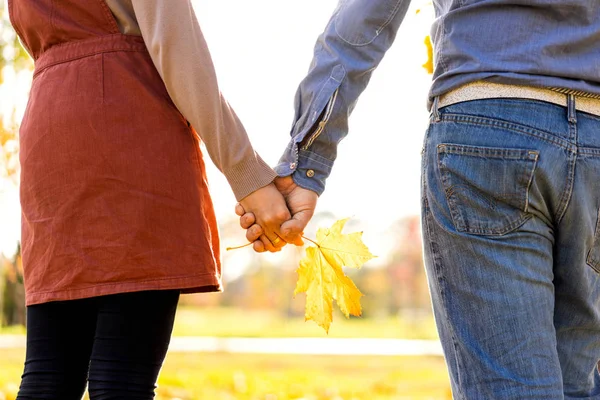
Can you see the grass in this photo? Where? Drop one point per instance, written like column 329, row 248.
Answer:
column 232, row 322
column 12, row 330
column 235, row 322
column 190, row 376
column 216, row 376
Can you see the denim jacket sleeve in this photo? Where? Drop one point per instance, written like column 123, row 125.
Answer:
column 354, row 42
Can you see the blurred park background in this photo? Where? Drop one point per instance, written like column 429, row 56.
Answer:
column 261, row 51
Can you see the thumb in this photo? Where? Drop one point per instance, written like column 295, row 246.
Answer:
column 293, row 229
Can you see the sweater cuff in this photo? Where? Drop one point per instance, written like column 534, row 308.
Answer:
column 249, row 175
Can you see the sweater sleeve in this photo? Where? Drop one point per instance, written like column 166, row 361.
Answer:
column 179, row 51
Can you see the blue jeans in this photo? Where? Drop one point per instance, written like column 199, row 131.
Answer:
column 511, row 199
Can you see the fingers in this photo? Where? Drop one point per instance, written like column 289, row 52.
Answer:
column 269, row 246
column 271, row 230
column 239, row 210
column 262, row 242
column 254, row 232
column 292, row 230
column 262, row 212
column 259, row 247
column 247, row 220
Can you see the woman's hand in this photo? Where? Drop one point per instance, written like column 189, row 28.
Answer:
column 301, row 203
column 270, row 211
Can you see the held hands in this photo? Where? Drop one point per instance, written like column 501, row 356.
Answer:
column 269, row 210
column 301, row 204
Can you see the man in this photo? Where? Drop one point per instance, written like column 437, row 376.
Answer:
column 510, row 188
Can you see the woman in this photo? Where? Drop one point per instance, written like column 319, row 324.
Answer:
column 117, row 220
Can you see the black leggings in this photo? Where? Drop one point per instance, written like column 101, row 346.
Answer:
column 116, row 343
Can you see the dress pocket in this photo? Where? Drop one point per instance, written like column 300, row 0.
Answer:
column 487, row 189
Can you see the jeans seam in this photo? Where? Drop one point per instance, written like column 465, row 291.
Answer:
column 589, row 151
column 496, row 123
column 570, row 179
column 440, row 279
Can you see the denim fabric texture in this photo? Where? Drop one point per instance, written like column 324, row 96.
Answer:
column 511, row 200
column 541, row 43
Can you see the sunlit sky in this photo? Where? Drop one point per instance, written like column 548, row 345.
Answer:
column 261, row 50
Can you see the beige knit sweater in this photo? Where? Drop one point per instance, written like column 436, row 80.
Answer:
column 181, row 56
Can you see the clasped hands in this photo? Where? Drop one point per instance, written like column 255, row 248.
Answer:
column 276, row 214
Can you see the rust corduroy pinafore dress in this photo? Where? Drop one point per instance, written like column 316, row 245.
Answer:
column 113, row 190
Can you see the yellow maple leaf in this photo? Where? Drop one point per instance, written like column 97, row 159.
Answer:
column 320, row 274
column 429, row 63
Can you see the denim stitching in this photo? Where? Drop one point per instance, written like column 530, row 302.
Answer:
column 496, row 123
column 440, row 278
column 590, row 151
column 530, row 182
column 592, row 263
column 457, row 219
column 566, row 197
column 590, row 260
column 459, row 222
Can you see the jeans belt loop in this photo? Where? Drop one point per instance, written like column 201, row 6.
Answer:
column 572, row 109
column 435, row 109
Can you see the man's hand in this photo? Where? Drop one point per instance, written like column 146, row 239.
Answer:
column 301, row 203
column 268, row 207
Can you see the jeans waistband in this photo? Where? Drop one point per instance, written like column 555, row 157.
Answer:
column 486, row 90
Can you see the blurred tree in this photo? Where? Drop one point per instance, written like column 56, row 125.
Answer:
column 13, row 293
column 13, row 54
column 410, row 293
column 13, row 60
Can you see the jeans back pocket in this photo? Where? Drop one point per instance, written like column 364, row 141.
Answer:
column 593, row 256
column 487, row 189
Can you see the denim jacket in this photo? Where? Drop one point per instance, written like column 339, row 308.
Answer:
column 544, row 43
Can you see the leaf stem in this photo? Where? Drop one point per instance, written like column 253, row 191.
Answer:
column 248, row 244
column 238, row 247
column 310, row 240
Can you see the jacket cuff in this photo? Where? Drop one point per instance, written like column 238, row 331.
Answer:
column 249, row 175
column 312, row 171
